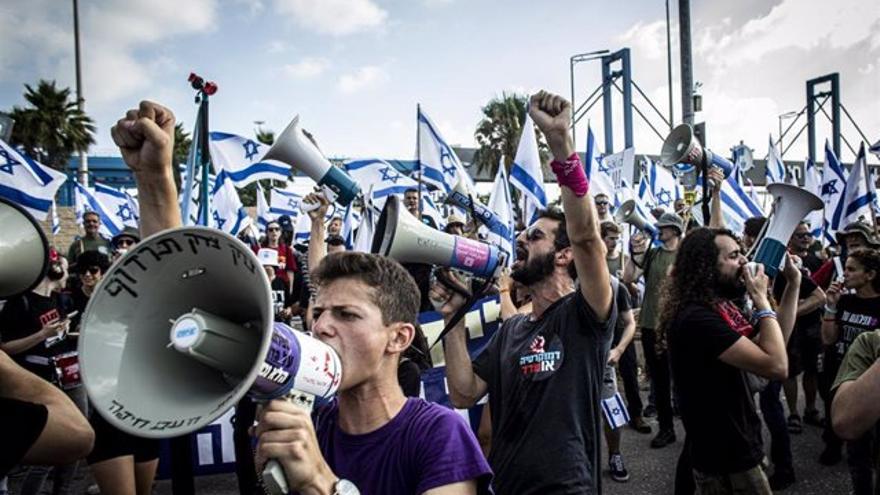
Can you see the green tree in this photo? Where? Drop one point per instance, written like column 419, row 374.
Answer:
column 499, row 130
column 51, row 127
column 182, row 144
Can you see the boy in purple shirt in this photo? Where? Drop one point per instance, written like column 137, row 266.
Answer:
column 371, row 436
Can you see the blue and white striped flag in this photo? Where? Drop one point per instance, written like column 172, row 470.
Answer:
column 600, row 180
column 118, row 204
column 813, row 184
column 56, row 223
column 282, row 202
column 363, row 241
column 736, row 205
column 263, row 214
column 526, row 173
column 384, row 179
column 834, row 178
column 241, row 158
column 27, row 182
column 775, row 170
column 437, row 162
column 664, row 187
column 227, row 212
column 86, row 198
column 501, row 204
column 857, row 197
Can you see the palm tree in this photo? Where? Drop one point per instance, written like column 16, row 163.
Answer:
column 52, row 127
column 499, row 131
column 182, row 144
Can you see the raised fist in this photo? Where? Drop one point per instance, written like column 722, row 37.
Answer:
column 146, row 139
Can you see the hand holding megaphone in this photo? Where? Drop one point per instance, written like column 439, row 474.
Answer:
column 315, row 205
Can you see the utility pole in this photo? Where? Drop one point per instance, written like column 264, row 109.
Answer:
column 83, row 172
column 687, row 73
column 669, row 66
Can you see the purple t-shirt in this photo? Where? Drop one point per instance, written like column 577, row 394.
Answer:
column 425, row 446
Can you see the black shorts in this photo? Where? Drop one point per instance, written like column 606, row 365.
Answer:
column 111, row 442
column 21, row 424
column 804, row 347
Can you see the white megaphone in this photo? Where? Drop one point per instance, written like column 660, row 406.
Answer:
column 791, row 204
column 463, row 198
column 682, row 147
column 628, row 213
column 24, row 250
column 295, row 149
column 181, row 327
column 401, row 236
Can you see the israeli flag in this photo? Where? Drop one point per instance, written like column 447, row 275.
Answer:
column 834, row 179
column 753, row 195
column 384, row 179
column 438, row 164
column 615, row 411
column 775, row 170
column 644, row 193
column 88, row 201
column 736, row 205
column 857, row 196
column 349, row 223
column 363, row 241
column 27, row 182
column 430, row 210
column 526, row 173
column 501, row 204
column 241, row 158
column 227, row 212
column 56, row 223
column 118, row 204
column 813, row 184
column 283, row 202
column 600, row 180
column 263, row 214
column 302, row 229
column 664, row 187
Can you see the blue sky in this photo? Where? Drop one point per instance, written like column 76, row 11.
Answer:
column 355, row 69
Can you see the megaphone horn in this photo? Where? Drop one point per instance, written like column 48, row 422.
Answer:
column 401, row 236
column 682, row 146
column 791, row 205
column 24, row 250
column 628, row 213
column 295, row 149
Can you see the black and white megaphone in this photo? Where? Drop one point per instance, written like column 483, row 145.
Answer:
column 628, row 213
column 682, row 147
column 181, row 328
column 295, row 149
column 460, row 196
column 24, row 250
column 791, row 204
column 401, row 236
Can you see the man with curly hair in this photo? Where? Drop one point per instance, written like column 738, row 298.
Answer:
column 712, row 344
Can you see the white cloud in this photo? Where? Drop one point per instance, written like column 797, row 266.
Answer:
column 334, row 17
column 307, row 68
column 365, row 77
column 255, row 7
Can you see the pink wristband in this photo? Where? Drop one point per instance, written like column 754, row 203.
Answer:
column 571, row 174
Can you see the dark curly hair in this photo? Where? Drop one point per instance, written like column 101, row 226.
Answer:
column 870, row 261
column 694, row 275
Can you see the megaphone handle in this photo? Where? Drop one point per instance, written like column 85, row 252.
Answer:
column 274, row 480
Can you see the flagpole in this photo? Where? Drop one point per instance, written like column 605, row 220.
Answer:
column 419, row 153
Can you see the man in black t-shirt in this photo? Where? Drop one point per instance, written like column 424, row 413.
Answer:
column 542, row 370
column 712, row 344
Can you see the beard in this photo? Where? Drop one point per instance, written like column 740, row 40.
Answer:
column 731, row 288
column 534, row 270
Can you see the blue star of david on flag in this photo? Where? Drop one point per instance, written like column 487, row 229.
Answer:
column 250, row 148
column 217, row 220
column 602, row 167
column 829, row 188
column 390, row 175
column 664, row 197
column 9, row 164
column 125, row 213
column 292, row 203
column 446, row 158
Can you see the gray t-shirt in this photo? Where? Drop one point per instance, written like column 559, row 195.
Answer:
column 544, row 381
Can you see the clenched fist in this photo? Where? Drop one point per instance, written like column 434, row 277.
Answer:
column 146, row 138
column 552, row 114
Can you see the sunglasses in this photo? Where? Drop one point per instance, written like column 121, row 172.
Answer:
column 125, row 242
column 602, row 203
column 93, row 270
column 274, row 229
column 803, row 235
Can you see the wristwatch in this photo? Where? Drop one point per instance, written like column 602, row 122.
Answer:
column 345, row 487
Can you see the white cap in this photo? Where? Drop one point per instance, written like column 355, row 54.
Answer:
column 268, row 257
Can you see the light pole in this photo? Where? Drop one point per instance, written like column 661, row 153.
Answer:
column 83, row 171
column 669, row 65
column 781, row 117
column 574, row 60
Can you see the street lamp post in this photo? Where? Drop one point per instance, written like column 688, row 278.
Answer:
column 781, row 117
column 574, row 60
column 83, row 171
